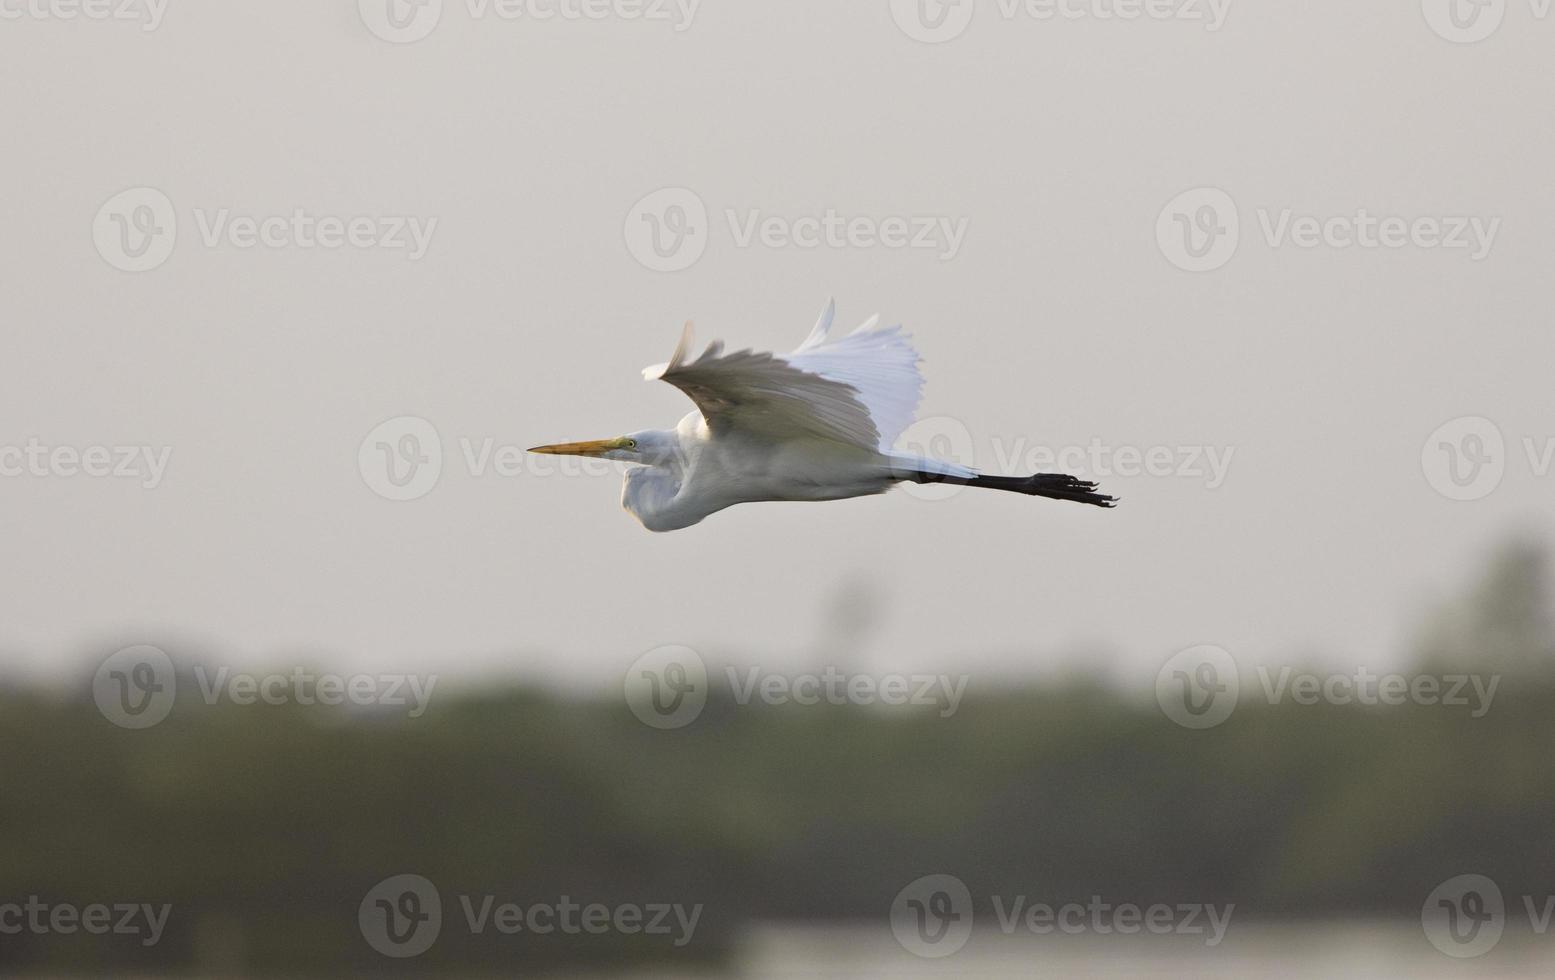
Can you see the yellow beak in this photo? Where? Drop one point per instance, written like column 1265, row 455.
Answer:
column 593, row 447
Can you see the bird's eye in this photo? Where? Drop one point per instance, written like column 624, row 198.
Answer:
column 631, row 444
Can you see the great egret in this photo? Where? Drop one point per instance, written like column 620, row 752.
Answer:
column 816, row 424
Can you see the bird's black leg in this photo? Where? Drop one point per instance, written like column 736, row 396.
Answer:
column 1056, row 486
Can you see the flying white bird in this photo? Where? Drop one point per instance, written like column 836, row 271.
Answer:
column 817, row 424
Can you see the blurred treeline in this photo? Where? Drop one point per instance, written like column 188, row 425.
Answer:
column 264, row 827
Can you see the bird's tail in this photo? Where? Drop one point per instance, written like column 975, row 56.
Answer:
column 1057, row 486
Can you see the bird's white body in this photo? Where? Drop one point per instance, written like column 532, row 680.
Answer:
column 819, row 423
column 706, row 473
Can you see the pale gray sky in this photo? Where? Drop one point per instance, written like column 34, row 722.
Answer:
column 1059, row 320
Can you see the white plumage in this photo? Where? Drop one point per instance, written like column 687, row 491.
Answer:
column 819, row 423
column 862, row 389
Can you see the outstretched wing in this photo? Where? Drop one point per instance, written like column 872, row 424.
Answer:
column 879, row 363
column 862, row 389
column 763, row 393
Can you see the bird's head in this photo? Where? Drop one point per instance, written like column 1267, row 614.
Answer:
column 649, row 447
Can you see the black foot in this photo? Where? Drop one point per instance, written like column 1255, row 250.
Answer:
column 1062, row 486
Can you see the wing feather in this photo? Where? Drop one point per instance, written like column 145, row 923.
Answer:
column 881, row 365
column 862, row 389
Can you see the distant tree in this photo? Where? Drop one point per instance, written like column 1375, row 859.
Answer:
column 1503, row 623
